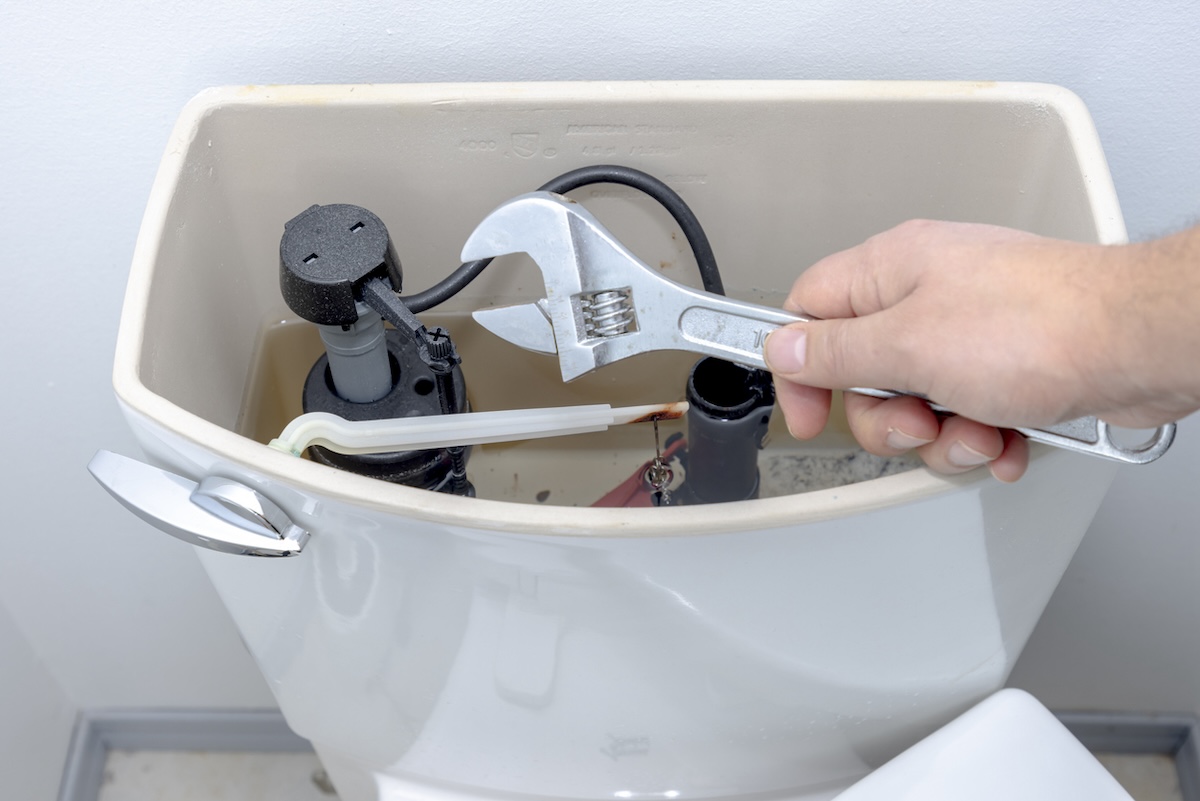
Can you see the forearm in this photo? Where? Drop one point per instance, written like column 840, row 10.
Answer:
column 1156, row 331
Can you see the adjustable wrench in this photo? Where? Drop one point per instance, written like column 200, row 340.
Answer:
column 603, row 304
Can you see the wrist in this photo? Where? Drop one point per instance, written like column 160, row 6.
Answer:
column 1158, row 321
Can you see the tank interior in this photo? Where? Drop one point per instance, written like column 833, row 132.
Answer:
column 777, row 183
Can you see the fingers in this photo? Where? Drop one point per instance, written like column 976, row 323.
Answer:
column 953, row 445
column 899, row 312
column 962, row 445
column 891, row 427
column 826, row 288
column 1011, row 464
column 843, row 353
column 806, row 409
column 889, row 266
column 866, row 278
column 811, row 355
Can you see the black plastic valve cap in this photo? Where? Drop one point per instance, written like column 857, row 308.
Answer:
column 326, row 254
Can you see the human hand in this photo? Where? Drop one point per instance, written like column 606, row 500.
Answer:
column 1005, row 327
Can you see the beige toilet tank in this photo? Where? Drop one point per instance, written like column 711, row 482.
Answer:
column 524, row 642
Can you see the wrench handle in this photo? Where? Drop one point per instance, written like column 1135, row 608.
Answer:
column 1088, row 435
column 739, row 333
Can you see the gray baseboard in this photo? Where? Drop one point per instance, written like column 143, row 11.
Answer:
column 98, row 732
column 1176, row 736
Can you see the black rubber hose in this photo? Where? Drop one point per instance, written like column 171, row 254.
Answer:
column 454, row 283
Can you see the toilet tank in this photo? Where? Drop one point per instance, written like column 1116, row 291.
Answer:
column 525, row 642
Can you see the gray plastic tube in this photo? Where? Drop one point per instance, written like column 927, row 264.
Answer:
column 730, row 409
column 358, row 357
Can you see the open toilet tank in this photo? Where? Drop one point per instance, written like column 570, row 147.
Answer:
column 524, row 643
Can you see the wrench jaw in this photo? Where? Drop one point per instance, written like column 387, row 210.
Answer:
column 528, row 326
column 608, row 329
column 604, row 304
column 576, row 359
column 536, row 223
column 589, row 301
column 525, row 325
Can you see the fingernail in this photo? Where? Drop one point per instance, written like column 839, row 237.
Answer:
column 898, row 440
column 995, row 475
column 784, row 351
column 961, row 455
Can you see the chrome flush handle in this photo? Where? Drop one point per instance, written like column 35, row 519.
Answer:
column 218, row 513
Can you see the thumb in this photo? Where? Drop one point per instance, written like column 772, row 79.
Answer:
column 836, row 354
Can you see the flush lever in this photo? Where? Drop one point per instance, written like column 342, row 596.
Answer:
column 217, row 513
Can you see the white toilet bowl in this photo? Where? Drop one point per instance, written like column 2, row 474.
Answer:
column 502, row 647
column 1007, row 747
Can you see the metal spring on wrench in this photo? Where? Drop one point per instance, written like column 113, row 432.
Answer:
column 608, row 313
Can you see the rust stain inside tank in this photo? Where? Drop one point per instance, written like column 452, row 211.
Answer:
column 669, row 411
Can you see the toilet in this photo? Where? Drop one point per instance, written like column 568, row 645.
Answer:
column 1009, row 746
column 523, row 643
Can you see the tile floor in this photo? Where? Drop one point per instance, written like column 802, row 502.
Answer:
column 1146, row 777
column 211, row 776
column 214, row 776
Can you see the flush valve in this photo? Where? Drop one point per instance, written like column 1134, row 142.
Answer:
column 339, row 270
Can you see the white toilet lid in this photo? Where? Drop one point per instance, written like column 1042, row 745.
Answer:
column 1008, row 747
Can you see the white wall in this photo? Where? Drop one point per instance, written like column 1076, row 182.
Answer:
column 35, row 719
column 123, row 615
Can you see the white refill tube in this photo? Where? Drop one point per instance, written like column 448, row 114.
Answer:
column 471, row 428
